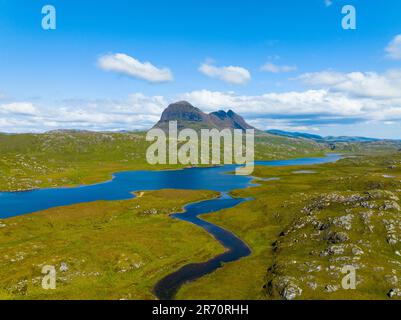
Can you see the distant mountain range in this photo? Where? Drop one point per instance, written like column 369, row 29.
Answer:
column 188, row 116
column 317, row 138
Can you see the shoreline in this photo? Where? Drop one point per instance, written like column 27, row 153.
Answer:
column 324, row 155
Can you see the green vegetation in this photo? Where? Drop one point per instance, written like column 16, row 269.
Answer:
column 102, row 250
column 303, row 228
column 270, row 147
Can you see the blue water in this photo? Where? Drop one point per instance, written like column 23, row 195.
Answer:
column 124, row 183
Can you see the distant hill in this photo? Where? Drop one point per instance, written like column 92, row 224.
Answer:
column 188, row 116
column 295, row 135
column 317, row 138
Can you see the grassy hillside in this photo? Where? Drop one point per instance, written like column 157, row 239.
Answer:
column 306, row 226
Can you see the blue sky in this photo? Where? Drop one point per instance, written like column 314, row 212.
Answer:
column 283, row 64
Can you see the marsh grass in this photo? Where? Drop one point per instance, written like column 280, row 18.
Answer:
column 286, row 241
column 113, row 249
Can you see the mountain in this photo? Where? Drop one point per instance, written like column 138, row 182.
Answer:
column 317, row 138
column 350, row 139
column 229, row 120
column 295, row 135
column 188, row 116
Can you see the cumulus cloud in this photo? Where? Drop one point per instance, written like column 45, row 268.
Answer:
column 393, row 49
column 124, row 64
column 20, row 108
column 362, row 84
column 296, row 110
column 136, row 112
column 309, row 108
column 285, row 104
column 274, row 68
column 230, row 74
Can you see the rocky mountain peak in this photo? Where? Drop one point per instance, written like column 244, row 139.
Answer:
column 188, row 116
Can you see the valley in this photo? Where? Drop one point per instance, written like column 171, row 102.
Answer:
column 302, row 223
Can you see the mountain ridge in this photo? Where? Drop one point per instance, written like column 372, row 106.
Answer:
column 318, row 138
column 188, row 116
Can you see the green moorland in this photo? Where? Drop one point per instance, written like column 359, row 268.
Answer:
column 306, row 226
column 101, row 250
column 301, row 228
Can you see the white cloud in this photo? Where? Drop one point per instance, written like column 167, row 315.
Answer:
column 287, row 103
column 274, row 68
column 230, row 74
column 124, row 64
column 362, row 84
column 139, row 103
column 21, row 108
column 328, row 3
column 309, row 108
column 339, row 99
column 280, row 124
column 393, row 49
column 136, row 112
column 305, row 110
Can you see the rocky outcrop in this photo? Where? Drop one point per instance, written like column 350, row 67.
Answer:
column 332, row 233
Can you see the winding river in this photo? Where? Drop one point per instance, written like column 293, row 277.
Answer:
column 122, row 186
column 166, row 288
